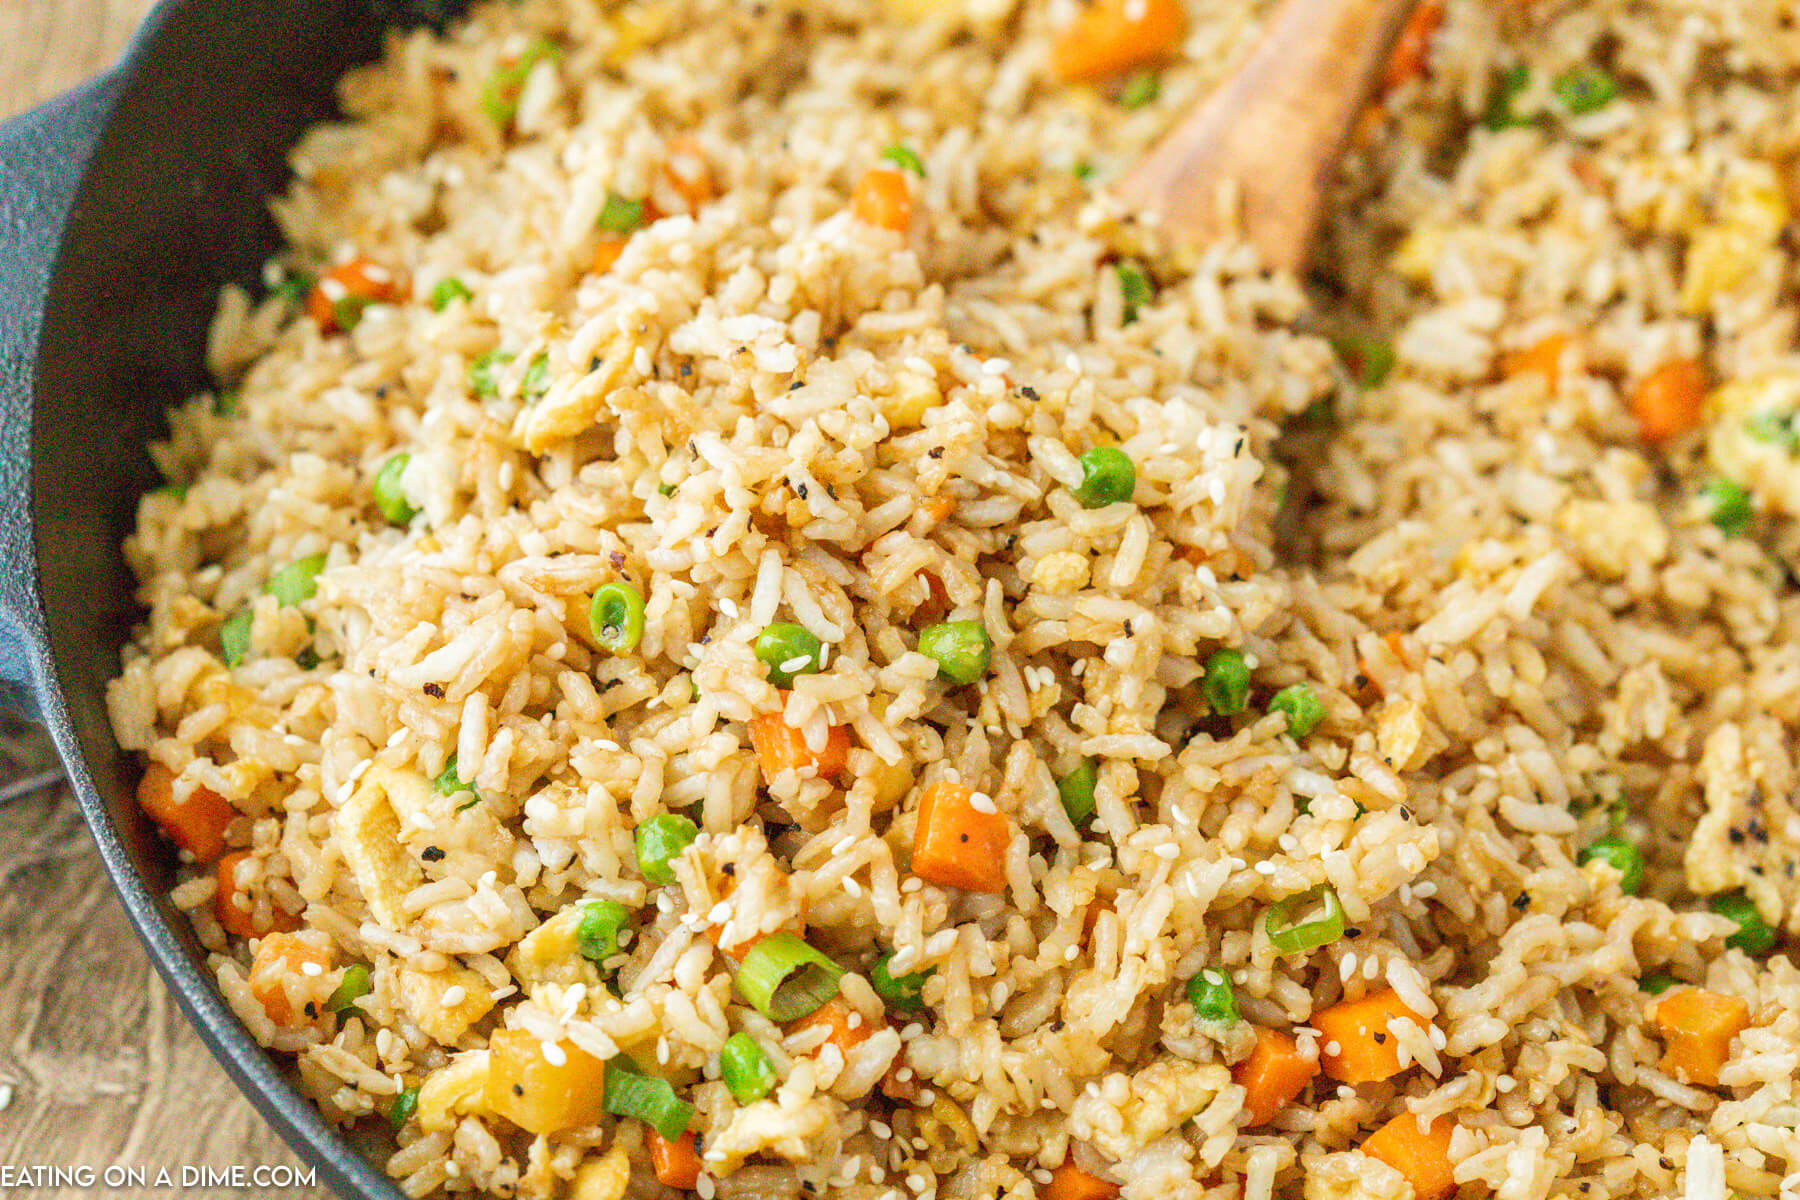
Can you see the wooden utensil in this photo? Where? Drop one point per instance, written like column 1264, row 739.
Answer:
column 1274, row 131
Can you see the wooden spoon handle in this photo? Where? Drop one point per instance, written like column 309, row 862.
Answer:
column 1275, row 129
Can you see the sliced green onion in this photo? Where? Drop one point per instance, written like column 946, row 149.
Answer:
column 1585, row 90
column 621, row 215
column 1657, row 982
column 630, row 1093
column 746, row 1069
column 448, row 784
column 352, row 987
column 1622, row 856
column 1135, row 289
column 1084, row 170
column 1753, row 934
column 597, row 934
column 500, row 95
column 1141, row 89
column 905, row 158
column 1728, row 506
column 1305, row 922
column 1500, row 112
column 785, row 979
column 537, row 378
column 616, row 617
column 293, row 288
column 1077, row 792
column 481, row 373
column 659, row 842
column 1226, row 684
column 1369, row 360
column 788, row 650
column 1213, row 998
column 448, row 291
column 402, row 1109
column 962, row 649
column 1303, row 709
column 904, row 992
column 390, row 497
column 1773, row 427
column 1108, row 476
column 297, row 582
column 234, row 637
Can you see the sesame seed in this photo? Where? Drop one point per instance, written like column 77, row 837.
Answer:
column 703, row 1187
column 311, row 969
column 553, row 1054
column 454, row 995
column 728, row 607
column 981, row 802
column 1333, row 1049
column 1265, row 868
column 796, row 663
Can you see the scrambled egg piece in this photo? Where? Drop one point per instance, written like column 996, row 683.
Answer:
column 1749, row 835
column 455, row 1089
column 1726, row 251
column 1351, row 1175
column 1753, row 438
column 1159, row 1098
column 445, row 1004
column 368, row 830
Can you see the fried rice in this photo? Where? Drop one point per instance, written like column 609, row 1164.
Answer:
column 1414, row 726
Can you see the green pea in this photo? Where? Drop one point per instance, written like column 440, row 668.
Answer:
column 481, row 373
column 1108, row 476
column 659, row 841
column 448, row 291
column 297, row 582
column 1213, row 998
column 1140, row 90
column 621, row 215
column 904, row 992
column 962, row 649
column 597, row 934
column 1501, row 109
column 234, row 637
column 1303, row 709
column 537, row 378
column 390, row 497
column 1621, row 855
column 1369, row 360
column 788, row 650
column 1657, row 982
column 347, row 313
column 1753, row 934
column 1077, row 791
column 1585, row 90
column 1226, row 683
column 1728, row 506
column 616, row 618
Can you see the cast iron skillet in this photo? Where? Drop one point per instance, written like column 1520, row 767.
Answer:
column 123, row 208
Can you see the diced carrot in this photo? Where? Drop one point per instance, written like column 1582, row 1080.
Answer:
column 1697, row 1028
column 233, row 907
column 1543, row 357
column 1421, row 1155
column 883, row 199
column 1667, row 402
column 1355, row 1044
column 281, row 983
column 937, row 604
column 1070, row 1182
column 1413, row 46
column 607, row 253
column 901, row 1082
column 688, row 173
column 941, row 508
column 196, row 825
column 780, row 747
column 1396, row 644
column 1273, row 1075
column 958, row 845
column 676, row 1163
column 847, row 1028
column 1110, row 36
column 357, row 280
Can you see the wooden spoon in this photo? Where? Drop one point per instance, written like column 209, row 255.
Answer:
column 1274, row 130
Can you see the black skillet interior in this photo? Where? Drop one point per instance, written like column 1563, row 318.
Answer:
column 210, row 97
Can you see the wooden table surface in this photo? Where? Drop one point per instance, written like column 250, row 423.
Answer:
column 98, row 1068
